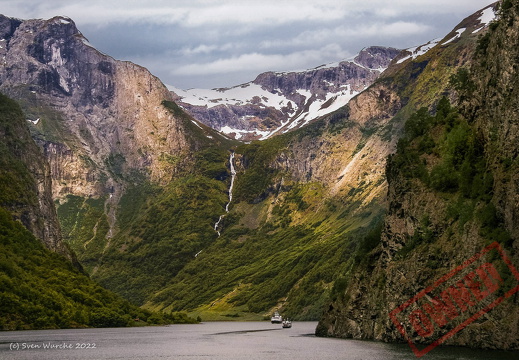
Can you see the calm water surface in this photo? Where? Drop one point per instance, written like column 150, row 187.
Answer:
column 214, row 340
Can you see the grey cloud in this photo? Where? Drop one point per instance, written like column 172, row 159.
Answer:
column 216, row 43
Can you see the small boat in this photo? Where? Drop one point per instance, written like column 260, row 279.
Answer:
column 276, row 319
column 287, row 324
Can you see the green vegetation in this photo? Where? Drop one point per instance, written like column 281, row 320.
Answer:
column 17, row 187
column 40, row 289
column 254, row 185
column 85, row 228
column 453, row 163
column 256, row 270
column 275, row 250
column 281, row 245
column 160, row 229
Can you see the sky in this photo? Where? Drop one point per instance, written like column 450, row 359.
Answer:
column 223, row 43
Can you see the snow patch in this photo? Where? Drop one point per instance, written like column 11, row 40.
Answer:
column 239, row 95
column 241, row 133
column 379, row 69
column 316, row 108
column 487, row 15
column 306, row 93
column 86, row 42
column 419, row 50
column 63, row 84
column 333, row 101
column 458, row 34
column 194, row 122
column 329, row 66
column 254, row 94
column 329, row 83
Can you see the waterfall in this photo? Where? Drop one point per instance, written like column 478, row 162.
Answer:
column 233, row 176
column 216, row 224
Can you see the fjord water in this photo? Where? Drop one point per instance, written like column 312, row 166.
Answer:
column 213, row 340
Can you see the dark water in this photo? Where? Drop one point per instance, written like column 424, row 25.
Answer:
column 218, row 340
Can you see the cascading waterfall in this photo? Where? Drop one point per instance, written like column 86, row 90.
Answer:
column 233, row 176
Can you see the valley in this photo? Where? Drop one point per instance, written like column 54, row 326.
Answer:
column 331, row 194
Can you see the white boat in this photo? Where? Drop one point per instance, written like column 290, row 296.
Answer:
column 287, row 324
column 276, row 319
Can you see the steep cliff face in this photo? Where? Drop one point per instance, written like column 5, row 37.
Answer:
column 492, row 104
column 107, row 114
column 314, row 197
column 446, row 202
column 41, row 289
column 26, row 180
column 276, row 102
column 101, row 122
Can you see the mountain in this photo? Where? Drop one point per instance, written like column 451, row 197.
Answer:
column 122, row 156
column 173, row 216
column 97, row 118
column 276, row 102
column 450, row 196
column 26, row 179
column 42, row 285
column 102, row 124
column 308, row 207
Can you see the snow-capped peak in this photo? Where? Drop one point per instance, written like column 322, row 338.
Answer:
column 276, row 102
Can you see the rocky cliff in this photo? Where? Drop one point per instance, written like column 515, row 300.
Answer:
column 491, row 104
column 26, row 179
column 314, row 197
column 90, row 104
column 450, row 195
column 276, row 102
column 101, row 123
column 42, row 289
column 143, row 188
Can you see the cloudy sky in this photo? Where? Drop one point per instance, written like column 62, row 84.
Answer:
column 219, row 43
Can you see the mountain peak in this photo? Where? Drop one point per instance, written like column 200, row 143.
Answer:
column 277, row 102
column 470, row 26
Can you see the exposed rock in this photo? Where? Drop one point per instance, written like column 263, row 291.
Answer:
column 493, row 106
column 276, row 102
column 30, row 199
column 393, row 274
column 101, row 122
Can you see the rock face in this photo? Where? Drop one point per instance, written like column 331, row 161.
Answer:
column 431, row 229
column 104, row 106
column 26, row 179
column 493, row 106
column 276, row 102
column 320, row 189
column 308, row 196
column 101, row 122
